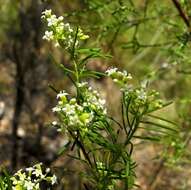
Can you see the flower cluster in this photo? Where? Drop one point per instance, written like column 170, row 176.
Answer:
column 143, row 99
column 119, row 77
column 79, row 114
column 31, row 178
column 72, row 113
column 92, row 99
column 61, row 33
column 140, row 97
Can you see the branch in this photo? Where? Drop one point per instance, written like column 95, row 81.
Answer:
column 181, row 13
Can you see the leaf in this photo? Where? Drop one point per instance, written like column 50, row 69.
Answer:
column 66, row 70
column 147, row 138
column 92, row 53
column 162, row 119
column 63, row 149
column 88, row 50
column 76, row 158
column 159, row 125
column 5, row 180
column 97, row 138
column 95, row 74
column 157, row 130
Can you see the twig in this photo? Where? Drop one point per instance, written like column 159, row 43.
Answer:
column 156, row 175
column 181, row 13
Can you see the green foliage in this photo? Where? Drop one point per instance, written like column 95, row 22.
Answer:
column 5, row 181
column 85, row 121
column 152, row 40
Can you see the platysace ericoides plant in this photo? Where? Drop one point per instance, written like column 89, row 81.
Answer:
column 84, row 118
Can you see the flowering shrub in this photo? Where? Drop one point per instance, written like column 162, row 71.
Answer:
column 154, row 36
column 85, row 120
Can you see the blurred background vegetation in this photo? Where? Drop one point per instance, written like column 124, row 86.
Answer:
column 148, row 38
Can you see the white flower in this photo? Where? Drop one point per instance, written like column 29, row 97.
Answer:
column 52, row 21
column 141, row 94
column 29, row 185
column 56, row 109
column 109, row 72
column 165, row 65
column 54, row 123
column 69, row 109
column 53, row 180
column 48, row 36
column 61, row 94
column 47, row 170
column 38, row 172
column 30, row 169
column 82, row 84
column 46, row 13
column 60, row 18
column 70, row 29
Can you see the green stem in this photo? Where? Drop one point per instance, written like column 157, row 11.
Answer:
column 73, row 57
column 76, row 71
